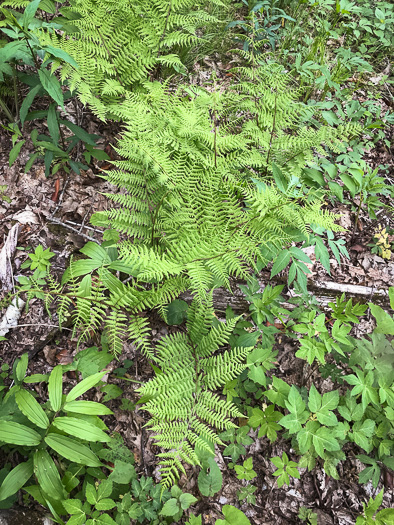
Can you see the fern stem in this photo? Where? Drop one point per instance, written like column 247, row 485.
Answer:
column 165, row 28
column 272, row 133
column 215, row 137
column 156, row 214
column 357, row 215
column 110, row 57
column 16, row 93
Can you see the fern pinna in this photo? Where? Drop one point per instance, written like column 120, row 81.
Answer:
column 181, row 399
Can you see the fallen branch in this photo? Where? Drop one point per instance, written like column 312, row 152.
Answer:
column 60, row 223
column 324, row 291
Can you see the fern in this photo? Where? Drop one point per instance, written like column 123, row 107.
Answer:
column 183, row 407
column 197, row 197
column 197, row 200
column 119, row 44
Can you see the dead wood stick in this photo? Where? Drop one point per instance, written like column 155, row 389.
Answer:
column 324, row 291
column 60, row 223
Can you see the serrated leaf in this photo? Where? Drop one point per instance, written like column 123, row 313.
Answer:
column 73, row 506
column 324, row 440
column 104, row 490
column 281, row 261
column 322, row 254
column 386, row 517
column 330, row 400
column 122, row 473
column 340, row 332
column 314, row 400
column 384, row 322
column 91, row 494
column 72, row 450
column 105, row 504
column 30, row 407
column 170, row 507
column 52, row 86
column 327, row 418
column 186, row 500
column 300, row 255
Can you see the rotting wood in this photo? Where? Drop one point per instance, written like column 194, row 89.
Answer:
column 324, row 292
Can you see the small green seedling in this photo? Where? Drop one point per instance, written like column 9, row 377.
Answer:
column 286, row 468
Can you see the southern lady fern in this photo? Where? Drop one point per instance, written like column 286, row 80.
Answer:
column 119, row 44
column 181, row 399
column 197, row 200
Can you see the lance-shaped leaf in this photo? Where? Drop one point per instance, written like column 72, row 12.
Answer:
column 55, row 387
column 16, row 434
column 84, row 386
column 16, row 479
column 21, row 367
column 29, row 406
column 72, row 450
column 81, row 429
column 87, row 407
column 47, row 475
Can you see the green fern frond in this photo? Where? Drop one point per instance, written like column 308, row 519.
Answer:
column 184, row 410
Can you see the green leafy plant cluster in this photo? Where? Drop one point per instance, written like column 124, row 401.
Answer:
column 372, row 515
column 210, row 184
column 24, row 45
column 321, row 425
column 65, row 427
column 187, row 170
column 190, row 169
column 118, row 46
column 63, row 441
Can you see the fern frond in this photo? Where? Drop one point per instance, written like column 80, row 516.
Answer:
column 184, row 411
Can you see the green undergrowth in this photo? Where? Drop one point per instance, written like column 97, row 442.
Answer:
column 212, row 184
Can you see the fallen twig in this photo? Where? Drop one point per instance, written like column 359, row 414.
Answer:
column 60, row 223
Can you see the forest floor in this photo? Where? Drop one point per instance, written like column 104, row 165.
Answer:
column 54, row 212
